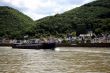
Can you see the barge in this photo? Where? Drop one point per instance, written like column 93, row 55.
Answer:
column 35, row 46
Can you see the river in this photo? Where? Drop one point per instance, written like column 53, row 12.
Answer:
column 62, row 60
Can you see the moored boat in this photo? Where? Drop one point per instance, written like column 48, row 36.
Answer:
column 35, row 46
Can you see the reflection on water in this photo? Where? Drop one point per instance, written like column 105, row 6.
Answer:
column 63, row 60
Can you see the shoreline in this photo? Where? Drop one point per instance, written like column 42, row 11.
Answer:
column 85, row 45
column 88, row 45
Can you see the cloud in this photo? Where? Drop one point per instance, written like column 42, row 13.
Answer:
column 37, row 9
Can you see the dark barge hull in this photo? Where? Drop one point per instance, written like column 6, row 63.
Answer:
column 35, row 46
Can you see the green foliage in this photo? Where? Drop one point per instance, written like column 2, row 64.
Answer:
column 91, row 16
column 65, row 42
column 13, row 23
column 98, row 30
column 73, row 34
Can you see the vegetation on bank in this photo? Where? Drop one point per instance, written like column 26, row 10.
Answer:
column 14, row 24
column 94, row 16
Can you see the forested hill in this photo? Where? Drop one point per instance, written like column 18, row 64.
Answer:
column 14, row 24
column 93, row 16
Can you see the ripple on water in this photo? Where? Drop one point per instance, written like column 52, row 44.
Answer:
column 62, row 60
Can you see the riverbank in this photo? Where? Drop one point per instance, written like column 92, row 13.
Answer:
column 73, row 45
column 5, row 44
column 85, row 45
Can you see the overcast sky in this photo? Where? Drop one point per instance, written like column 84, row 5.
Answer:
column 37, row 9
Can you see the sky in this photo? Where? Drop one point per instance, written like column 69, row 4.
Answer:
column 37, row 9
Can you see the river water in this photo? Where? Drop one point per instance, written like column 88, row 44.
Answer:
column 62, row 60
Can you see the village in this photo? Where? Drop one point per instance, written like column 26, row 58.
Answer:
column 90, row 37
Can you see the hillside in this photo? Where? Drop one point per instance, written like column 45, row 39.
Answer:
column 93, row 16
column 14, row 24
